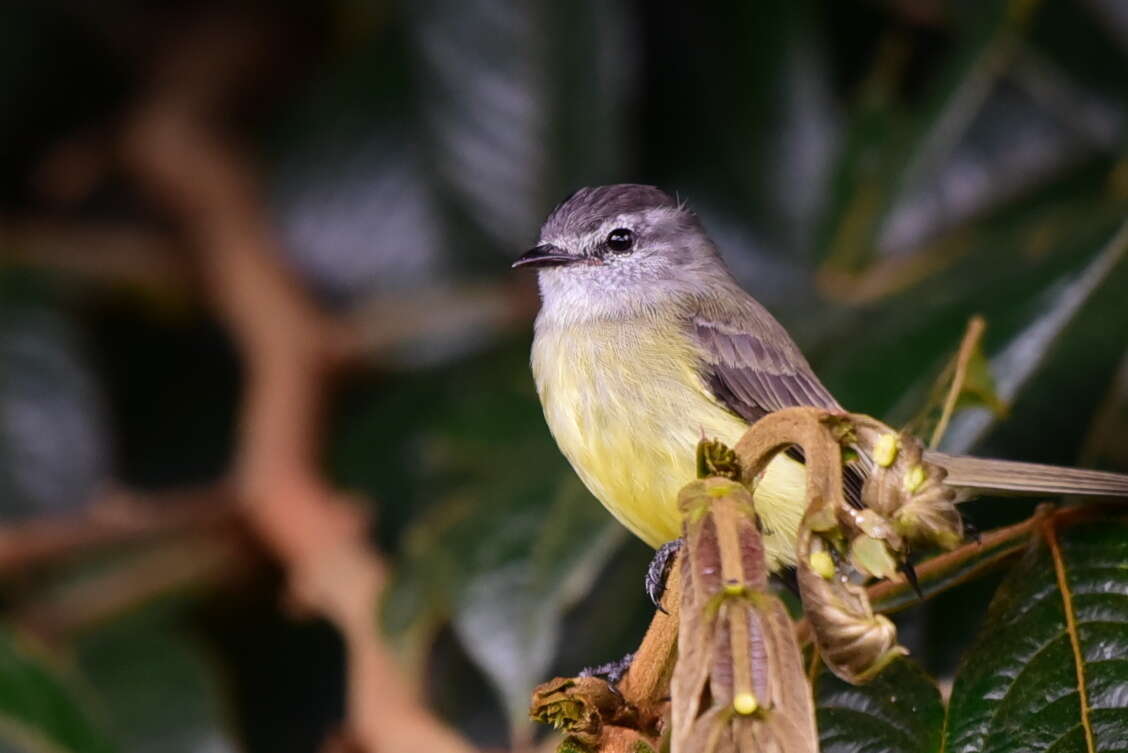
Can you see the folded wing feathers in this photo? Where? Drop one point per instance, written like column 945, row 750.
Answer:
column 753, row 375
column 1009, row 475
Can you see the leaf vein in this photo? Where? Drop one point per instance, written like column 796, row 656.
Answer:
column 1071, row 628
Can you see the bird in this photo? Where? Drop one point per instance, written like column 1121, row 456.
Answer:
column 645, row 343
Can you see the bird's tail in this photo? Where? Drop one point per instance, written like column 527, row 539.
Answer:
column 1027, row 478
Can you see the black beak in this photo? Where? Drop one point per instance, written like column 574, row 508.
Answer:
column 544, row 255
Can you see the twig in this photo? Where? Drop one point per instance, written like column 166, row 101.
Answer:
column 968, row 346
column 187, row 563
column 108, row 253
column 118, row 517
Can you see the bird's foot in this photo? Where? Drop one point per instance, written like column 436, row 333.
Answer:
column 612, row 671
column 659, row 572
column 910, row 574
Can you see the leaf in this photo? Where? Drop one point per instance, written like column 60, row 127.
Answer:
column 157, row 686
column 509, row 618
column 355, row 207
column 1107, row 442
column 900, row 711
column 520, row 104
column 1049, row 669
column 54, row 438
column 1025, row 353
column 39, row 711
column 886, row 357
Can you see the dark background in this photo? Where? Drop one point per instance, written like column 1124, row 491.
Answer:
column 875, row 172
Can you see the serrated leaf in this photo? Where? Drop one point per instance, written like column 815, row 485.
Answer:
column 1049, row 671
column 900, row 711
column 39, row 711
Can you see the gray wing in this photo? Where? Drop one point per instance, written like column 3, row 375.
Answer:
column 752, row 366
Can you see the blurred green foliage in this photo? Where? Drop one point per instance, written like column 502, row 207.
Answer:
column 875, row 172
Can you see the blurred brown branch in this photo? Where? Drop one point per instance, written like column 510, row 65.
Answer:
column 290, row 349
column 108, row 253
column 150, row 261
column 118, row 517
column 196, row 560
column 222, row 244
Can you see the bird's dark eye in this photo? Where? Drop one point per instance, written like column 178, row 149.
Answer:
column 620, row 240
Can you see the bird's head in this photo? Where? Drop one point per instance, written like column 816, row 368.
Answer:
column 620, row 250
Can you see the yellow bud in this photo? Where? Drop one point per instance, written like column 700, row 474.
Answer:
column 885, row 449
column 734, row 589
column 745, row 704
column 823, row 564
column 914, row 478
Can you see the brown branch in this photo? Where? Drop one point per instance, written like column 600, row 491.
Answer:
column 190, row 562
column 289, row 348
column 147, row 260
column 647, row 683
column 117, row 518
column 108, row 253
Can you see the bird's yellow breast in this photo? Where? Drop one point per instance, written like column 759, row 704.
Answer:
column 626, row 406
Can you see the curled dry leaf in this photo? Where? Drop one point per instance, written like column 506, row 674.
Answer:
column 581, row 706
column 906, row 501
column 853, row 641
column 906, row 489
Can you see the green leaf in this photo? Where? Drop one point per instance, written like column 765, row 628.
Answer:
column 157, row 685
column 1050, row 667
column 39, row 710
column 885, row 358
column 1028, row 350
column 969, row 374
column 509, row 618
column 899, row 712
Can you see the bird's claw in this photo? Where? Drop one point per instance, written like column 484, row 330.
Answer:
column 612, row 671
column 659, row 572
column 910, row 574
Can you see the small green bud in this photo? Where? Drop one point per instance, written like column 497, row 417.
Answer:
column 914, row 478
column 885, row 449
column 823, row 564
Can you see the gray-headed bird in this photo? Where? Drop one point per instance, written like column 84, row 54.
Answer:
column 645, row 343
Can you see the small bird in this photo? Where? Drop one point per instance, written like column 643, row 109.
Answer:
column 645, row 343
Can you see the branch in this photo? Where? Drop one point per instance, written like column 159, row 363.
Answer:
column 199, row 559
column 118, row 518
column 289, row 348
